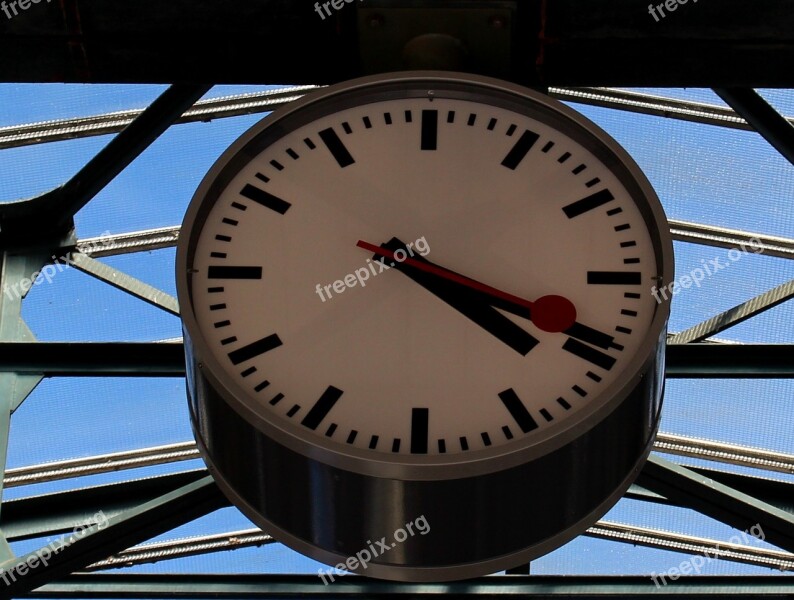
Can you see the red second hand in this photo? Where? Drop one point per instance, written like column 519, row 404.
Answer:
column 549, row 313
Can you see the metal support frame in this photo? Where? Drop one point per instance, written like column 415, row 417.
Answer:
column 51, row 213
column 689, row 488
column 125, row 283
column 764, row 119
column 119, row 533
column 267, row 587
column 734, row 316
column 59, row 512
column 152, row 359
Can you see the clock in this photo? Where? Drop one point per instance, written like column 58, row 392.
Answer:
column 424, row 295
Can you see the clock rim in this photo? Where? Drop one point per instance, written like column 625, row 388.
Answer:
column 405, row 466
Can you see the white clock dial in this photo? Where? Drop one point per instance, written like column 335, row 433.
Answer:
column 402, row 361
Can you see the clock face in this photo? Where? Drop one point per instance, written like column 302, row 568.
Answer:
column 421, row 274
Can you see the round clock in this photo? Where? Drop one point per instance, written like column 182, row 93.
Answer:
column 424, row 298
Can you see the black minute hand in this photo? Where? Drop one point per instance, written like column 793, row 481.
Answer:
column 468, row 302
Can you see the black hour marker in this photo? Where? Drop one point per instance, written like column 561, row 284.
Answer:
column 588, row 203
column 614, row 277
column 579, row 391
column 517, row 410
column 291, row 412
column 590, row 335
column 292, row 154
column 352, row 436
column 255, row 349
column 336, row 147
column 225, row 272
column 409, row 116
column 260, row 386
column 593, row 376
column 631, row 261
column 429, row 129
column 628, row 313
column 614, row 211
column 562, row 402
column 217, row 306
column 215, row 290
column 395, row 445
column 346, row 127
column 228, row 340
column 373, row 442
column 511, row 130
column 367, row 122
column 629, row 244
column 223, row 238
column 547, row 147
column 472, row 120
column 309, row 144
column 264, row 198
column 546, row 414
column 248, row 371
column 262, row 177
column 451, row 116
column 464, row 443
column 520, row 149
column 322, row 407
column 491, row 124
column 239, row 206
column 486, row 439
column 387, row 118
column 564, row 157
column 632, row 295
column 276, row 399
column 331, row 430
column 623, row 330
column 593, row 182
column 442, row 446
column 217, row 255
column 277, row 165
column 589, row 354
column 507, row 432
column 231, row 222
column 419, row 427
column 579, row 169
column 623, row 227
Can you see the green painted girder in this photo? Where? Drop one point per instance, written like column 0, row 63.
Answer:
column 109, row 536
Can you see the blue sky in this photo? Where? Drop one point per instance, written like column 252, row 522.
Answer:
column 705, row 174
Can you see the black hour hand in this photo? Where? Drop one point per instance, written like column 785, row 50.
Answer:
column 470, row 303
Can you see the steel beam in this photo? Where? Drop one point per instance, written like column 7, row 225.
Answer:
column 42, row 132
column 52, row 212
column 688, row 488
column 765, row 120
column 125, row 283
column 25, row 573
column 59, row 512
column 561, row 43
column 152, row 359
column 489, row 588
